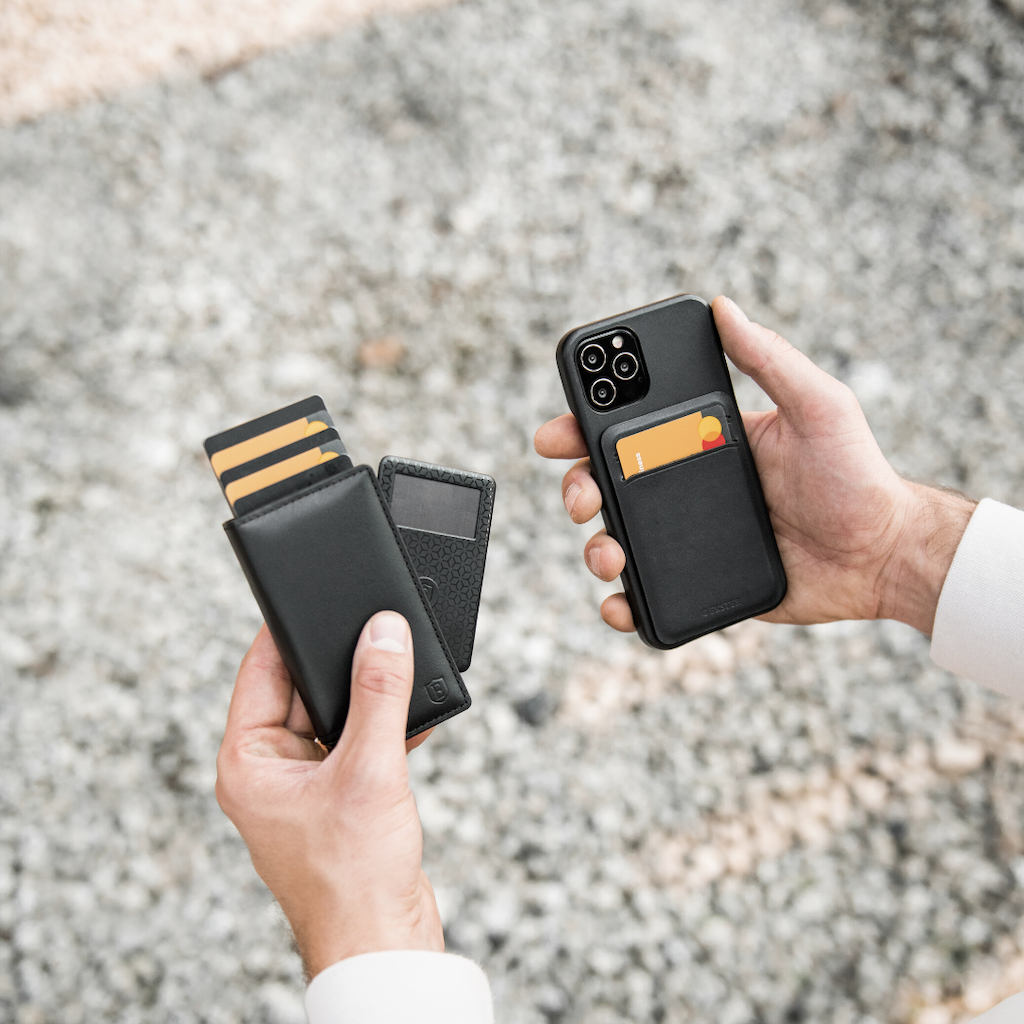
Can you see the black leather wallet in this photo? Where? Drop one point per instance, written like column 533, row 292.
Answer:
column 320, row 563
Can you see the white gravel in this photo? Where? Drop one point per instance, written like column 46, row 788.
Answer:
column 771, row 826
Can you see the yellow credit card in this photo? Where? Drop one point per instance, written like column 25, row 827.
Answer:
column 241, row 444
column 271, row 440
column 669, row 442
column 278, row 471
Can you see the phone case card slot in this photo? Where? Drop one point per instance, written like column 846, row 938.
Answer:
column 669, row 466
column 697, row 544
column 687, row 430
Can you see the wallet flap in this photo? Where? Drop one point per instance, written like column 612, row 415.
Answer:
column 450, row 564
column 320, row 563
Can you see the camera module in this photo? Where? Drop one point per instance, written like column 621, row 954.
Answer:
column 602, row 392
column 625, row 366
column 610, row 366
column 593, row 357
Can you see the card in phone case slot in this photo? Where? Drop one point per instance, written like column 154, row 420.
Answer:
column 673, row 440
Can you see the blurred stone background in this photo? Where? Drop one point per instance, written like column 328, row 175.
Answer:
column 404, row 214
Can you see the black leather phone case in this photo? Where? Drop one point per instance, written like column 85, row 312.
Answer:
column 700, row 551
column 320, row 563
column 451, row 568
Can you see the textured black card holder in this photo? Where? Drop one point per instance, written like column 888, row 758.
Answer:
column 319, row 564
column 451, row 569
column 699, row 531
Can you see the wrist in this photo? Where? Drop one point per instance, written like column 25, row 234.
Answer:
column 324, row 938
column 318, row 952
column 934, row 520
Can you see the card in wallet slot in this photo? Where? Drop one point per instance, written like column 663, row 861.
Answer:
column 444, row 517
column 278, row 465
column 292, row 485
column 320, row 562
column 264, row 434
column 325, row 440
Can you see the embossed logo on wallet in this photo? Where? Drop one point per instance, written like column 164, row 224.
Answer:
column 670, row 442
column 437, row 690
column 430, row 588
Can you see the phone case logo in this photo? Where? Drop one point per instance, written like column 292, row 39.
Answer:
column 717, row 609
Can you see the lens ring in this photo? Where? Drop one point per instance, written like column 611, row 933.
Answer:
column 599, row 349
column 630, row 361
column 604, row 382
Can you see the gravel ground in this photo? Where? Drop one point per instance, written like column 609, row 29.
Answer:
column 57, row 53
column 770, row 825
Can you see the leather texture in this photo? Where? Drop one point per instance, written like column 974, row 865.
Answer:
column 454, row 566
column 720, row 497
column 319, row 564
column 697, row 540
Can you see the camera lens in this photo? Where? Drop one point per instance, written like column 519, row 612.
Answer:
column 603, row 392
column 593, row 358
column 625, row 366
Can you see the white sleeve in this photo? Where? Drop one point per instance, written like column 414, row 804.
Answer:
column 398, row 987
column 1009, row 1011
column 979, row 621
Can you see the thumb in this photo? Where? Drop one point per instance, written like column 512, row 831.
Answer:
column 382, row 674
column 784, row 373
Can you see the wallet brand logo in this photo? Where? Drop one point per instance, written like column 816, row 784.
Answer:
column 430, row 588
column 437, row 691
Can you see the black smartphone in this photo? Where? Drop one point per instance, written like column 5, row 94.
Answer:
column 651, row 392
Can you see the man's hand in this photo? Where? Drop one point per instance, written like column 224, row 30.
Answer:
column 856, row 540
column 336, row 837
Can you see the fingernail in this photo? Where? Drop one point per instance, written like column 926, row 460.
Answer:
column 571, row 495
column 736, row 309
column 389, row 632
column 593, row 557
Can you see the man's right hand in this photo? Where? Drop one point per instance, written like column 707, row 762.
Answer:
column 857, row 541
column 336, row 837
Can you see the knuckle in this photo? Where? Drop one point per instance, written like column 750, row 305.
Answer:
column 776, row 347
column 225, row 797
column 230, row 780
column 376, row 781
column 388, row 680
column 581, row 470
column 845, row 394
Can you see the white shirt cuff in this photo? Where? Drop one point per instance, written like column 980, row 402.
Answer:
column 400, row 986
column 1009, row 1011
column 979, row 621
